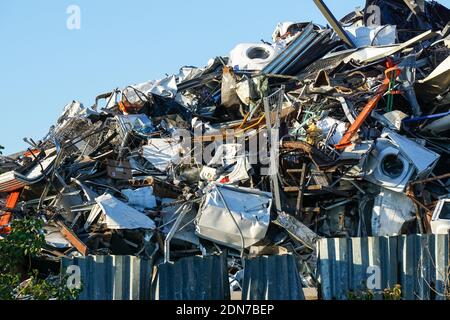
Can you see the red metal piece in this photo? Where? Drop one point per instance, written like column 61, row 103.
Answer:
column 5, row 217
column 370, row 106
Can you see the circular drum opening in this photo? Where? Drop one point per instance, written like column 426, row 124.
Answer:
column 392, row 166
column 258, row 53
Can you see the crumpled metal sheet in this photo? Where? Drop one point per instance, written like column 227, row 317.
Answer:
column 161, row 153
column 233, row 216
column 372, row 36
column 391, row 211
column 166, row 87
column 436, row 83
column 297, row 229
column 142, row 198
column 121, row 216
column 229, row 96
column 76, row 109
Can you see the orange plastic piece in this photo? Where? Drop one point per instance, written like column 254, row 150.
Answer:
column 128, row 108
column 34, row 152
column 370, row 106
column 5, row 218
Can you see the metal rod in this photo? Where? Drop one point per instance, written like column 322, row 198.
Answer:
column 182, row 212
column 334, row 23
column 299, row 206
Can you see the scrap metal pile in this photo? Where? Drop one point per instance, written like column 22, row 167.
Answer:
column 338, row 131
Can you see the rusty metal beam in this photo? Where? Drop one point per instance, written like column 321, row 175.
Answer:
column 73, row 239
column 444, row 176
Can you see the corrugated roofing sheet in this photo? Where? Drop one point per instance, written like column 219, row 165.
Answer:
column 113, row 277
column 418, row 263
column 9, row 182
column 193, row 278
column 272, row 278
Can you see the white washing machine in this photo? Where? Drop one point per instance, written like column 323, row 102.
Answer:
column 388, row 167
column 395, row 159
column 252, row 56
column 440, row 222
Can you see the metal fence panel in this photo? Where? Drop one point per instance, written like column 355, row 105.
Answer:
column 193, row 278
column 419, row 263
column 113, row 277
column 440, row 270
column 272, row 278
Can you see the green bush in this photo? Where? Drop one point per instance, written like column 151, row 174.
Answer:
column 388, row 294
column 17, row 281
column 24, row 241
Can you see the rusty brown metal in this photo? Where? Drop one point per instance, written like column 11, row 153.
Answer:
column 318, row 157
column 73, row 239
column 444, row 176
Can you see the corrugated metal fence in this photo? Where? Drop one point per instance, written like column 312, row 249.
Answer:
column 419, row 263
column 113, row 277
column 130, row 278
column 272, row 278
column 193, row 278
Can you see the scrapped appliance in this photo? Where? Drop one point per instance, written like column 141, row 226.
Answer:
column 440, row 223
column 235, row 217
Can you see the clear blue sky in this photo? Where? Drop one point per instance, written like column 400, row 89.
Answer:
column 44, row 66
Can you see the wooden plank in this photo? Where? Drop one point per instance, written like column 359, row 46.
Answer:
column 73, row 239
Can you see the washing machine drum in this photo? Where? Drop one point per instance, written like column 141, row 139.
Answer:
column 252, row 56
column 390, row 169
